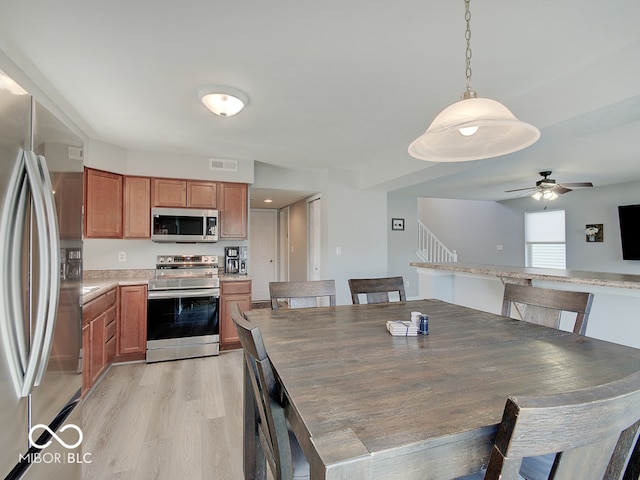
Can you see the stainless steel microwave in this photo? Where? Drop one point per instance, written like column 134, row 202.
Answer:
column 184, row 225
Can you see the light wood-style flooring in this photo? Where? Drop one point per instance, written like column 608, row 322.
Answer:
column 168, row 420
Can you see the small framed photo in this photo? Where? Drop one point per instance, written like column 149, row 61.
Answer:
column 397, row 224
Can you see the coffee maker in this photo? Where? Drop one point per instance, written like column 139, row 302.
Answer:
column 235, row 260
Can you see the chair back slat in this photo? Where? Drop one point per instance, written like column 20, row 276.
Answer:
column 544, row 306
column 302, row 294
column 593, row 431
column 376, row 289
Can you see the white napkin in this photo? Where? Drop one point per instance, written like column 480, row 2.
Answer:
column 399, row 328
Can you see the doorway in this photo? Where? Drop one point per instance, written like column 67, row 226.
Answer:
column 263, row 251
column 314, row 205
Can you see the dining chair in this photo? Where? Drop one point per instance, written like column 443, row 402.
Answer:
column 376, row 289
column 592, row 432
column 302, row 294
column 545, row 306
column 274, row 440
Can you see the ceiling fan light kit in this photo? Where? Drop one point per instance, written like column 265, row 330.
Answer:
column 472, row 128
column 548, row 188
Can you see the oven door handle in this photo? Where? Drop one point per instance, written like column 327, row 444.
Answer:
column 178, row 293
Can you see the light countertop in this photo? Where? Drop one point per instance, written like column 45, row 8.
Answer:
column 96, row 284
column 606, row 279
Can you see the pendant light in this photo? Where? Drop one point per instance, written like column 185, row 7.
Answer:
column 472, row 128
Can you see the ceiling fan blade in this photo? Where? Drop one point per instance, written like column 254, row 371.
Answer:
column 560, row 189
column 576, row 185
column 520, row 189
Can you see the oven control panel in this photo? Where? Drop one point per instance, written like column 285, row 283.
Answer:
column 185, row 260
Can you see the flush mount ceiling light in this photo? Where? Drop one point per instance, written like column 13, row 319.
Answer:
column 223, row 101
column 472, row 128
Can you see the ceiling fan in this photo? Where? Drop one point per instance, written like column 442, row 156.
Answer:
column 548, row 188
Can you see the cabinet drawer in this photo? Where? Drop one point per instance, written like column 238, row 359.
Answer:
column 110, row 297
column 110, row 331
column 239, row 287
column 111, row 314
column 93, row 308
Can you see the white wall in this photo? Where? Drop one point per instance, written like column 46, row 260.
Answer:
column 475, row 229
column 356, row 221
column 587, row 206
column 403, row 244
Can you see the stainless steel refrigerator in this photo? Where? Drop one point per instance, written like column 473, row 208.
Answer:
column 40, row 315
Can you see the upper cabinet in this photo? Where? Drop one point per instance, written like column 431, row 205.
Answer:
column 202, row 194
column 119, row 206
column 137, row 207
column 168, row 192
column 233, row 207
column 103, row 204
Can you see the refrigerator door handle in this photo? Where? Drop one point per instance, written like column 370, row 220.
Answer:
column 53, row 257
column 49, row 255
column 12, row 227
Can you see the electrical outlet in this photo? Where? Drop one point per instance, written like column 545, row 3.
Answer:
column 122, row 256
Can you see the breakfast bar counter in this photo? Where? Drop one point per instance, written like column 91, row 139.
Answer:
column 614, row 313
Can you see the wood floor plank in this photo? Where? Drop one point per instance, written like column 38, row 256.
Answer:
column 166, row 421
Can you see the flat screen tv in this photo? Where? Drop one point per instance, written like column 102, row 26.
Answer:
column 630, row 231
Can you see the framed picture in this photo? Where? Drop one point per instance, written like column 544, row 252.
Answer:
column 397, row 224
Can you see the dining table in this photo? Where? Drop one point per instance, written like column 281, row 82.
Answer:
column 365, row 404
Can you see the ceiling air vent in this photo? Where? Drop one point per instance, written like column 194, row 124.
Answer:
column 223, row 165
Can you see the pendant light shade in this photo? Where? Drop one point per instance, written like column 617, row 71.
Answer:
column 473, row 129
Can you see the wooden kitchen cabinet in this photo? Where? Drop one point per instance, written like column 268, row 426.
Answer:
column 169, row 192
column 131, row 330
column 103, row 204
column 232, row 291
column 176, row 193
column 98, row 319
column 202, row 194
column 233, row 208
column 137, row 207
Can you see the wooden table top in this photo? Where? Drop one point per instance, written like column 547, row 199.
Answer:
column 419, row 404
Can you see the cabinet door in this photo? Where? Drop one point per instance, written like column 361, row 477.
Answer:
column 168, row 192
column 86, row 359
column 103, row 204
column 236, row 291
column 98, row 350
column 132, row 323
column 137, row 207
column 232, row 203
column 202, row 194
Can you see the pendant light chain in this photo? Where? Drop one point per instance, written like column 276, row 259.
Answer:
column 467, row 35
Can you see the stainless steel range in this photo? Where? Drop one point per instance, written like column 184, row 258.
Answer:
column 183, row 308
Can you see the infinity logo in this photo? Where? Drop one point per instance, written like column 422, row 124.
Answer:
column 60, row 441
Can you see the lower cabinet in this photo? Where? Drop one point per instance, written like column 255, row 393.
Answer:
column 132, row 323
column 98, row 321
column 232, row 291
column 114, row 329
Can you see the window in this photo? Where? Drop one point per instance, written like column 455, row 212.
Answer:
column 545, row 239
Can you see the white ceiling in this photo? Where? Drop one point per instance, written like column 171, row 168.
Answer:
column 345, row 84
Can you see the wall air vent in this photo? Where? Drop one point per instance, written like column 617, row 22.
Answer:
column 223, row 165
column 76, row 153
